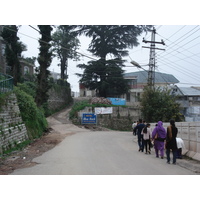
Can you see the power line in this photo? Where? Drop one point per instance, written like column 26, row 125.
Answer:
column 177, row 31
column 175, row 43
column 180, row 70
column 48, row 43
column 178, row 66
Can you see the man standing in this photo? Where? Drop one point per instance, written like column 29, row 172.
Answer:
column 139, row 128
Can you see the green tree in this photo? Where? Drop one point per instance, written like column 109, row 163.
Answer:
column 105, row 75
column 158, row 104
column 13, row 51
column 30, row 60
column 65, row 43
column 44, row 60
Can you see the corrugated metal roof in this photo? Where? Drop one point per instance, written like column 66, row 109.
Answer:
column 189, row 91
column 142, row 77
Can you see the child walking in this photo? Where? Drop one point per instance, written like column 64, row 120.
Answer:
column 147, row 135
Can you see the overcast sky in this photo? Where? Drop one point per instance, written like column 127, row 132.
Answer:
column 181, row 56
column 175, row 22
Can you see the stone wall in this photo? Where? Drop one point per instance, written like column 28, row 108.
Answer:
column 121, row 118
column 59, row 97
column 12, row 128
column 130, row 113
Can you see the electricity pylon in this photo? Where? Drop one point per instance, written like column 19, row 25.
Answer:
column 152, row 65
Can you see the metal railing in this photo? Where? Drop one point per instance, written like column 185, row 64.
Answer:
column 6, row 83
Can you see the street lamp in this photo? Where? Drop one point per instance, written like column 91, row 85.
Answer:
column 150, row 81
column 135, row 64
column 138, row 65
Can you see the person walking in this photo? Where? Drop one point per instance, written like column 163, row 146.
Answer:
column 180, row 146
column 171, row 144
column 159, row 135
column 146, row 132
column 133, row 126
column 138, row 129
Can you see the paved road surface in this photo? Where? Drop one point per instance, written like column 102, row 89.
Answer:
column 85, row 152
column 99, row 153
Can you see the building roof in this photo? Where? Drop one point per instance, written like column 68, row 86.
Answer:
column 142, row 77
column 189, row 91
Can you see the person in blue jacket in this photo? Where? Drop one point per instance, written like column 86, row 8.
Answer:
column 138, row 129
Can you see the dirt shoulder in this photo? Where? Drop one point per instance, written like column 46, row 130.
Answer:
column 22, row 159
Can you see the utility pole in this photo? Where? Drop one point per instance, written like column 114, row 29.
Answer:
column 151, row 72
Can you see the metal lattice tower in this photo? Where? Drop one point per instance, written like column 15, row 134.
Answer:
column 152, row 65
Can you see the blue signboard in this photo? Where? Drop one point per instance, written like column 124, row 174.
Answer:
column 89, row 118
column 117, row 101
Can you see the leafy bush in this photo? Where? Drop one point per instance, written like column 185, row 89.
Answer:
column 32, row 116
column 28, row 87
column 77, row 107
column 158, row 104
column 3, row 98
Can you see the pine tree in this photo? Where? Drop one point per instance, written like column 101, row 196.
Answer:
column 44, row 60
column 106, row 75
column 65, row 44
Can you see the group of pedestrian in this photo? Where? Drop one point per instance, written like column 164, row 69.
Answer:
column 160, row 138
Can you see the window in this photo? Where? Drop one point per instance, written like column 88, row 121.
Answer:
column 3, row 47
column 132, row 83
column 26, row 70
column 128, row 97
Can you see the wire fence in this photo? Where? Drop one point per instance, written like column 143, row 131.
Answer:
column 6, row 83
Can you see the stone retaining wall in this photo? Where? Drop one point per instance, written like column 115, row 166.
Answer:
column 132, row 113
column 12, row 128
column 58, row 99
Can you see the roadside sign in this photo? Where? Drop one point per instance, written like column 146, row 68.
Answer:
column 103, row 110
column 89, row 118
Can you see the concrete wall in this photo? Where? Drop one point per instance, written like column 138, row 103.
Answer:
column 12, row 129
column 189, row 132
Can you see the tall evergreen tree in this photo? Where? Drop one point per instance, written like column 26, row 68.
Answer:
column 106, row 76
column 65, row 43
column 13, row 51
column 44, row 60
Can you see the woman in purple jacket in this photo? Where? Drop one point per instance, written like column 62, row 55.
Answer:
column 159, row 135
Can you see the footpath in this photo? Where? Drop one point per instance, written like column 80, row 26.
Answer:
column 185, row 162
